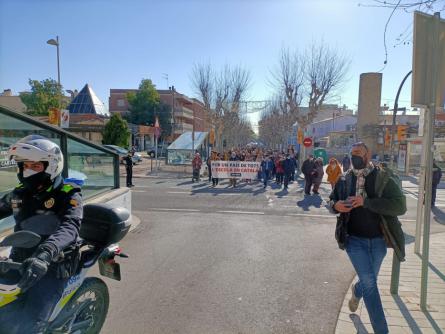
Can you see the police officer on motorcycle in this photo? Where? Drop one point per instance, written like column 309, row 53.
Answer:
column 42, row 203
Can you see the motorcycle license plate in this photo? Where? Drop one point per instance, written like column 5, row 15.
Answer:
column 110, row 269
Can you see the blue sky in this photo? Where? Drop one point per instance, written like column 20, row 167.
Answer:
column 114, row 43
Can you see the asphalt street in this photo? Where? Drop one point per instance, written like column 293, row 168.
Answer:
column 243, row 260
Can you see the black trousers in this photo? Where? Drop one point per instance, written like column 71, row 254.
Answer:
column 30, row 314
column 129, row 176
column 287, row 178
column 215, row 181
column 307, row 184
column 433, row 194
column 210, row 173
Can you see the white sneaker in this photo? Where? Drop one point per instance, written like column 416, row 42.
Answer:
column 354, row 301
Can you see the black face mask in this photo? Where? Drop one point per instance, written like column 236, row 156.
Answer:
column 36, row 181
column 358, row 162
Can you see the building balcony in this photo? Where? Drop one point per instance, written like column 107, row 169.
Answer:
column 183, row 112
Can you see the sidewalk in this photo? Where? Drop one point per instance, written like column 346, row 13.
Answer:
column 403, row 312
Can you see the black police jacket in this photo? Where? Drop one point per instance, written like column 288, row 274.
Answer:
column 55, row 213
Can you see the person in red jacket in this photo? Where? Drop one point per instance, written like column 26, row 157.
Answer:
column 196, row 165
column 279, row 169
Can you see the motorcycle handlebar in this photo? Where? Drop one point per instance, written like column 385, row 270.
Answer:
column 6, row 266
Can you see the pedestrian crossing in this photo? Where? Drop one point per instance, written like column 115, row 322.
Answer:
column 440, row 196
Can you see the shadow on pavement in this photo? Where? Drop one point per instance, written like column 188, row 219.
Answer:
column 216, row 191
column 433, row 323
column 407, row 315
column 281, row 193
column 358, row 324
column 434, row 269
column 409, row 239
column 310, row 200
column 439, row 215
column 185, row 183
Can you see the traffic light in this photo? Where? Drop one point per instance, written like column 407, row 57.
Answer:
column 387, row 137
column 300, row 136
column 212, row 137
column 401, row 132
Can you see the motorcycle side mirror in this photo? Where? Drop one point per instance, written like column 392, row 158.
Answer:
column 21, row 239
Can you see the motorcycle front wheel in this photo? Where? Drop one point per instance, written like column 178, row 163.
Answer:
column 88, row 306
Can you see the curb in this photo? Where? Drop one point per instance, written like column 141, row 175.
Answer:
column 135, row 221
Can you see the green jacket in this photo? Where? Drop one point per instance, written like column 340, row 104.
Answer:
column 389, row 203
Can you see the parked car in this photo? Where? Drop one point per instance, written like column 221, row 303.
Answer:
column 123, row 153
column 162, row 150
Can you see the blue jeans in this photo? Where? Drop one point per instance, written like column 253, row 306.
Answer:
column 367, row 256
column 266, row 175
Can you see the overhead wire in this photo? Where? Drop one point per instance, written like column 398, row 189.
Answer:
column 384, row 36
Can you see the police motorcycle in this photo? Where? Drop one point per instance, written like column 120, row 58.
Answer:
column 84, row 303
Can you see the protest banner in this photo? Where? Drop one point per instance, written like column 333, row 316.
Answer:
column 235, row 169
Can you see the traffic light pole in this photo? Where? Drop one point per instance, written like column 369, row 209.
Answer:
column 394, row 115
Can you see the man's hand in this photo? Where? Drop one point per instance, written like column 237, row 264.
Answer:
column 356, row 201
column 341, row 206
column 34, row 268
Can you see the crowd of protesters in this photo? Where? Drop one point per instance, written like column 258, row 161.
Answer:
column 275, row 165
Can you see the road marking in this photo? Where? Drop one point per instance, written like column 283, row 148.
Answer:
column 226, row 194
column 311, row 215
column 178, row 210
column 179, row 192
column 242, row 212
column 407, row 220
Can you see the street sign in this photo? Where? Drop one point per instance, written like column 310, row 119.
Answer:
column 157, row 129
column 307, row 142
column 428, row 42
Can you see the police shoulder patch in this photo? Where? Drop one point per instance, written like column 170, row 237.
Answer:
column 49, row 203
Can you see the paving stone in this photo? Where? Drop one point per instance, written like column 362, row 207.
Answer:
column 400, row 318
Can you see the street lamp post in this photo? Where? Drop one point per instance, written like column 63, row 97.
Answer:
column 55, row 42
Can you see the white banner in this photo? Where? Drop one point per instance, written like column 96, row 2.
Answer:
column 235, row 169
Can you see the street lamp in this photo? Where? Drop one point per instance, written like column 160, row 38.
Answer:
column 56, row 43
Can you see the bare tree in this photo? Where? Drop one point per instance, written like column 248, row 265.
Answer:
column 202, row 81
column 275, row 123
column 222, row 93
column 308, row 77
column 325, row 71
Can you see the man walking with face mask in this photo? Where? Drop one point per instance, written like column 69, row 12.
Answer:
column 369, row 199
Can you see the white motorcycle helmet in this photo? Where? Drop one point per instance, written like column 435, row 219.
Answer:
column 38, row 148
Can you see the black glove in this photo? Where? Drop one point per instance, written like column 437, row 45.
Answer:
column 34, row 268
